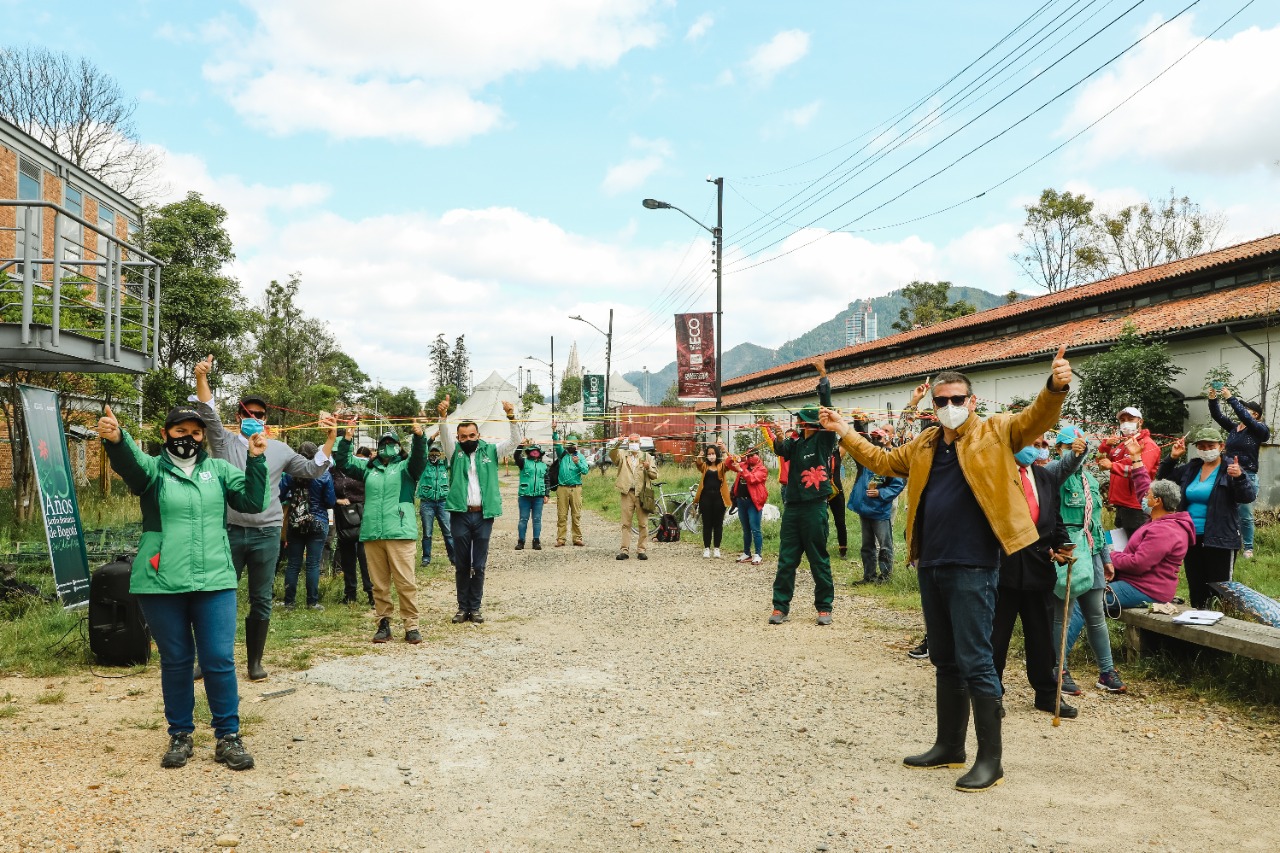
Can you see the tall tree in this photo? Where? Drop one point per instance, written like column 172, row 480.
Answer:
column 1156, row 232
column 202, row 309
column 672, row 397
column 929, row 303
column 570, row 391
column 460, row 365
column 79, row 111
column 403, row 404
column 441, row 362
column 1059, row 249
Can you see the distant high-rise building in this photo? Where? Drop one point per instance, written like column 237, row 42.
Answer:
column 861, row 326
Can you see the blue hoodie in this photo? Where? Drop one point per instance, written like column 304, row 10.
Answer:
column 874, row 509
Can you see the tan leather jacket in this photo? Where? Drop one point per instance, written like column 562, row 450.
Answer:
column 632, row 469
column 985, row 451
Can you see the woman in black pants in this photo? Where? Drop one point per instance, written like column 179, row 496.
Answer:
column 347, row 515
column 1212, row 490
column 712, row 497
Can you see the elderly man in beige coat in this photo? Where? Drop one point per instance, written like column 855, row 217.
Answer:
column 635, row 468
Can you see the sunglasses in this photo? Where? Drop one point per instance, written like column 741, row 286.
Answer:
column 255, row 413
column 954, row 399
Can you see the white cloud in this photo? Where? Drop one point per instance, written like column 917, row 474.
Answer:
column 801, row 116
column 633, row 172
column 408, row 70
column 785, row 49
column 1216, row 112
column 699, row 27
column 249, row 205
column 725, row 78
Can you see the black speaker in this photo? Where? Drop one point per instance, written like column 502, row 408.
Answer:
column 118, row 634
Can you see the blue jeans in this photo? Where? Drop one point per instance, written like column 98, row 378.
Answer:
column 877, row 547
column 749, row 518
column 1246, row 515
column 313, row 546
column 433, row 513
column 258, row 550
column 471, row 531
column 1087, row 609
column 959, row 604
column 1129, row 595
column 531, row 506
column 210, row 618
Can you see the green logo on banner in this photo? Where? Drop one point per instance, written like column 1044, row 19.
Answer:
column 57, row 495
column 593, row 395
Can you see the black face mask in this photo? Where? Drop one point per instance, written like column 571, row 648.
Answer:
column 182, row 447
column 433, row 458
column 469, row 446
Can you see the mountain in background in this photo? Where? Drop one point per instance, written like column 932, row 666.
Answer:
column 748, row 358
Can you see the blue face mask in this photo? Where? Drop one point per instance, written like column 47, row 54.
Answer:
column 1042, row 454
column 1027, row 455
column 250, row 426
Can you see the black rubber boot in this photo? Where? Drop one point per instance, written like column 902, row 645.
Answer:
column 953, row 725
column 537, row 544
column 986, row 771
column 255, row 640
column 519, row 544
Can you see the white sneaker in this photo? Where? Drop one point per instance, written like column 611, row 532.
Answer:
column 716, row 553
column 706, row 553
column 1248, row 554
column 744, row 557
column 757, row 560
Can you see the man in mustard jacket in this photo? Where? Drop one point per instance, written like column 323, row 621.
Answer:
column 966, row 505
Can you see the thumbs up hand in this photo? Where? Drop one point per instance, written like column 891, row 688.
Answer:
column 1061, row 376
column 1234, row 469
column 109, row 427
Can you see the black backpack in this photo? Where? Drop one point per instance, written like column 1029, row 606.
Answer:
column 301, row 520
column 668, row 529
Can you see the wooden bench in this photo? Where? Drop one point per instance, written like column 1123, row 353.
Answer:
column 1145, row 631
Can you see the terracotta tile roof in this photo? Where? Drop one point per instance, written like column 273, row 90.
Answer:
column 1221, row 306
column 1004, row 313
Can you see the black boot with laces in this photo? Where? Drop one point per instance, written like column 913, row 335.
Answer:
column 179, row 751
column 231, row 752
column 384, row 631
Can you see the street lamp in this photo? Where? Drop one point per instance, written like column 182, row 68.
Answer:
column 608, row 353
column 718, row 234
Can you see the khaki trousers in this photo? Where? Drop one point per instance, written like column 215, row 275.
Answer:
column 568, row 502
column 631, row 506
column 392, row 559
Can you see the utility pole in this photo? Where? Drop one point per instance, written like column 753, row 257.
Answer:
column 552, row 398
column 719, row 237
column 608, row 363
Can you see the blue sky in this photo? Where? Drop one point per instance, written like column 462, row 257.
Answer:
column 477, row 168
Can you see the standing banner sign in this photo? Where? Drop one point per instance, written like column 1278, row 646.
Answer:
column 593, row 395
column 695, row 357
column 57, row 492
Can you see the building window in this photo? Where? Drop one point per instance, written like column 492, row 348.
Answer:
column 107, row 223
column 28, row 190
column 72, row 231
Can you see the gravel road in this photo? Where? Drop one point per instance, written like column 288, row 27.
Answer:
column 628, row 706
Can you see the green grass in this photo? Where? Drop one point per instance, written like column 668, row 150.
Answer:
column 56, row 697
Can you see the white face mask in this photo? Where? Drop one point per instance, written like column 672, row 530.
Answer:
column 1128, row 427
column 634, row 447
column 952, row 417
column 1208, row 455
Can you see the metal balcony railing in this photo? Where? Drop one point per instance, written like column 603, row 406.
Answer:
column 65, row 319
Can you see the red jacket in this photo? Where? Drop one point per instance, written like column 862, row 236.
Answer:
column 1121, row 491
column 753, row 475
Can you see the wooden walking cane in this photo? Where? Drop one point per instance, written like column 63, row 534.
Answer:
column 1062, row 647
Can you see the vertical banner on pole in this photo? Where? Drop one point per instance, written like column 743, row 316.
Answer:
column 695, row 357
column 593, row 395
column 57, row 493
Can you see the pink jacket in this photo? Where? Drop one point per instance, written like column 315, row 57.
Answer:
column 1151, row 559
column 752, row 474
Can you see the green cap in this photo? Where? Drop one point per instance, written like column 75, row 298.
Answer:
column 809, row 414
column 1206, row 433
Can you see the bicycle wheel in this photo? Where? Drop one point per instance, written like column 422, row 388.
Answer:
column 689, row 517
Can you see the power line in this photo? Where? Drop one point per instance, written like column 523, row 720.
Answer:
column 967, row 154
column 975, row 119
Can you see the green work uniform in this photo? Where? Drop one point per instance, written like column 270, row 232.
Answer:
column 804, row 515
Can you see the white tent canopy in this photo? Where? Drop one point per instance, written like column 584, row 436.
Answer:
column 623, row 393
column 484, row 406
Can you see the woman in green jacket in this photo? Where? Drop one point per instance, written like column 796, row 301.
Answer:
column 183, row 574
column 533, row 492
column 389, row 529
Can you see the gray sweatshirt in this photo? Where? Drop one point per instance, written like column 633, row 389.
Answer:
column 281, row 459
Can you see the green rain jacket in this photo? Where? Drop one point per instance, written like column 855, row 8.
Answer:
column 184, row 546
column 388, row 490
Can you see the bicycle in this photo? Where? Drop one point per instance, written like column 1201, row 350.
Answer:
column 678, row 503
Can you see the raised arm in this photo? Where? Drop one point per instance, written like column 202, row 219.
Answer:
column 1260, row 431
column 342, row 459
column 505, row 447
column 1044, row 411
column 213, row 430
column 895, row 462
column 446, row 437
column 247, row 490
column 307, row 469
column 1215, row 412
column 417, row 453
column 1072, row 458
column 136, row 468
